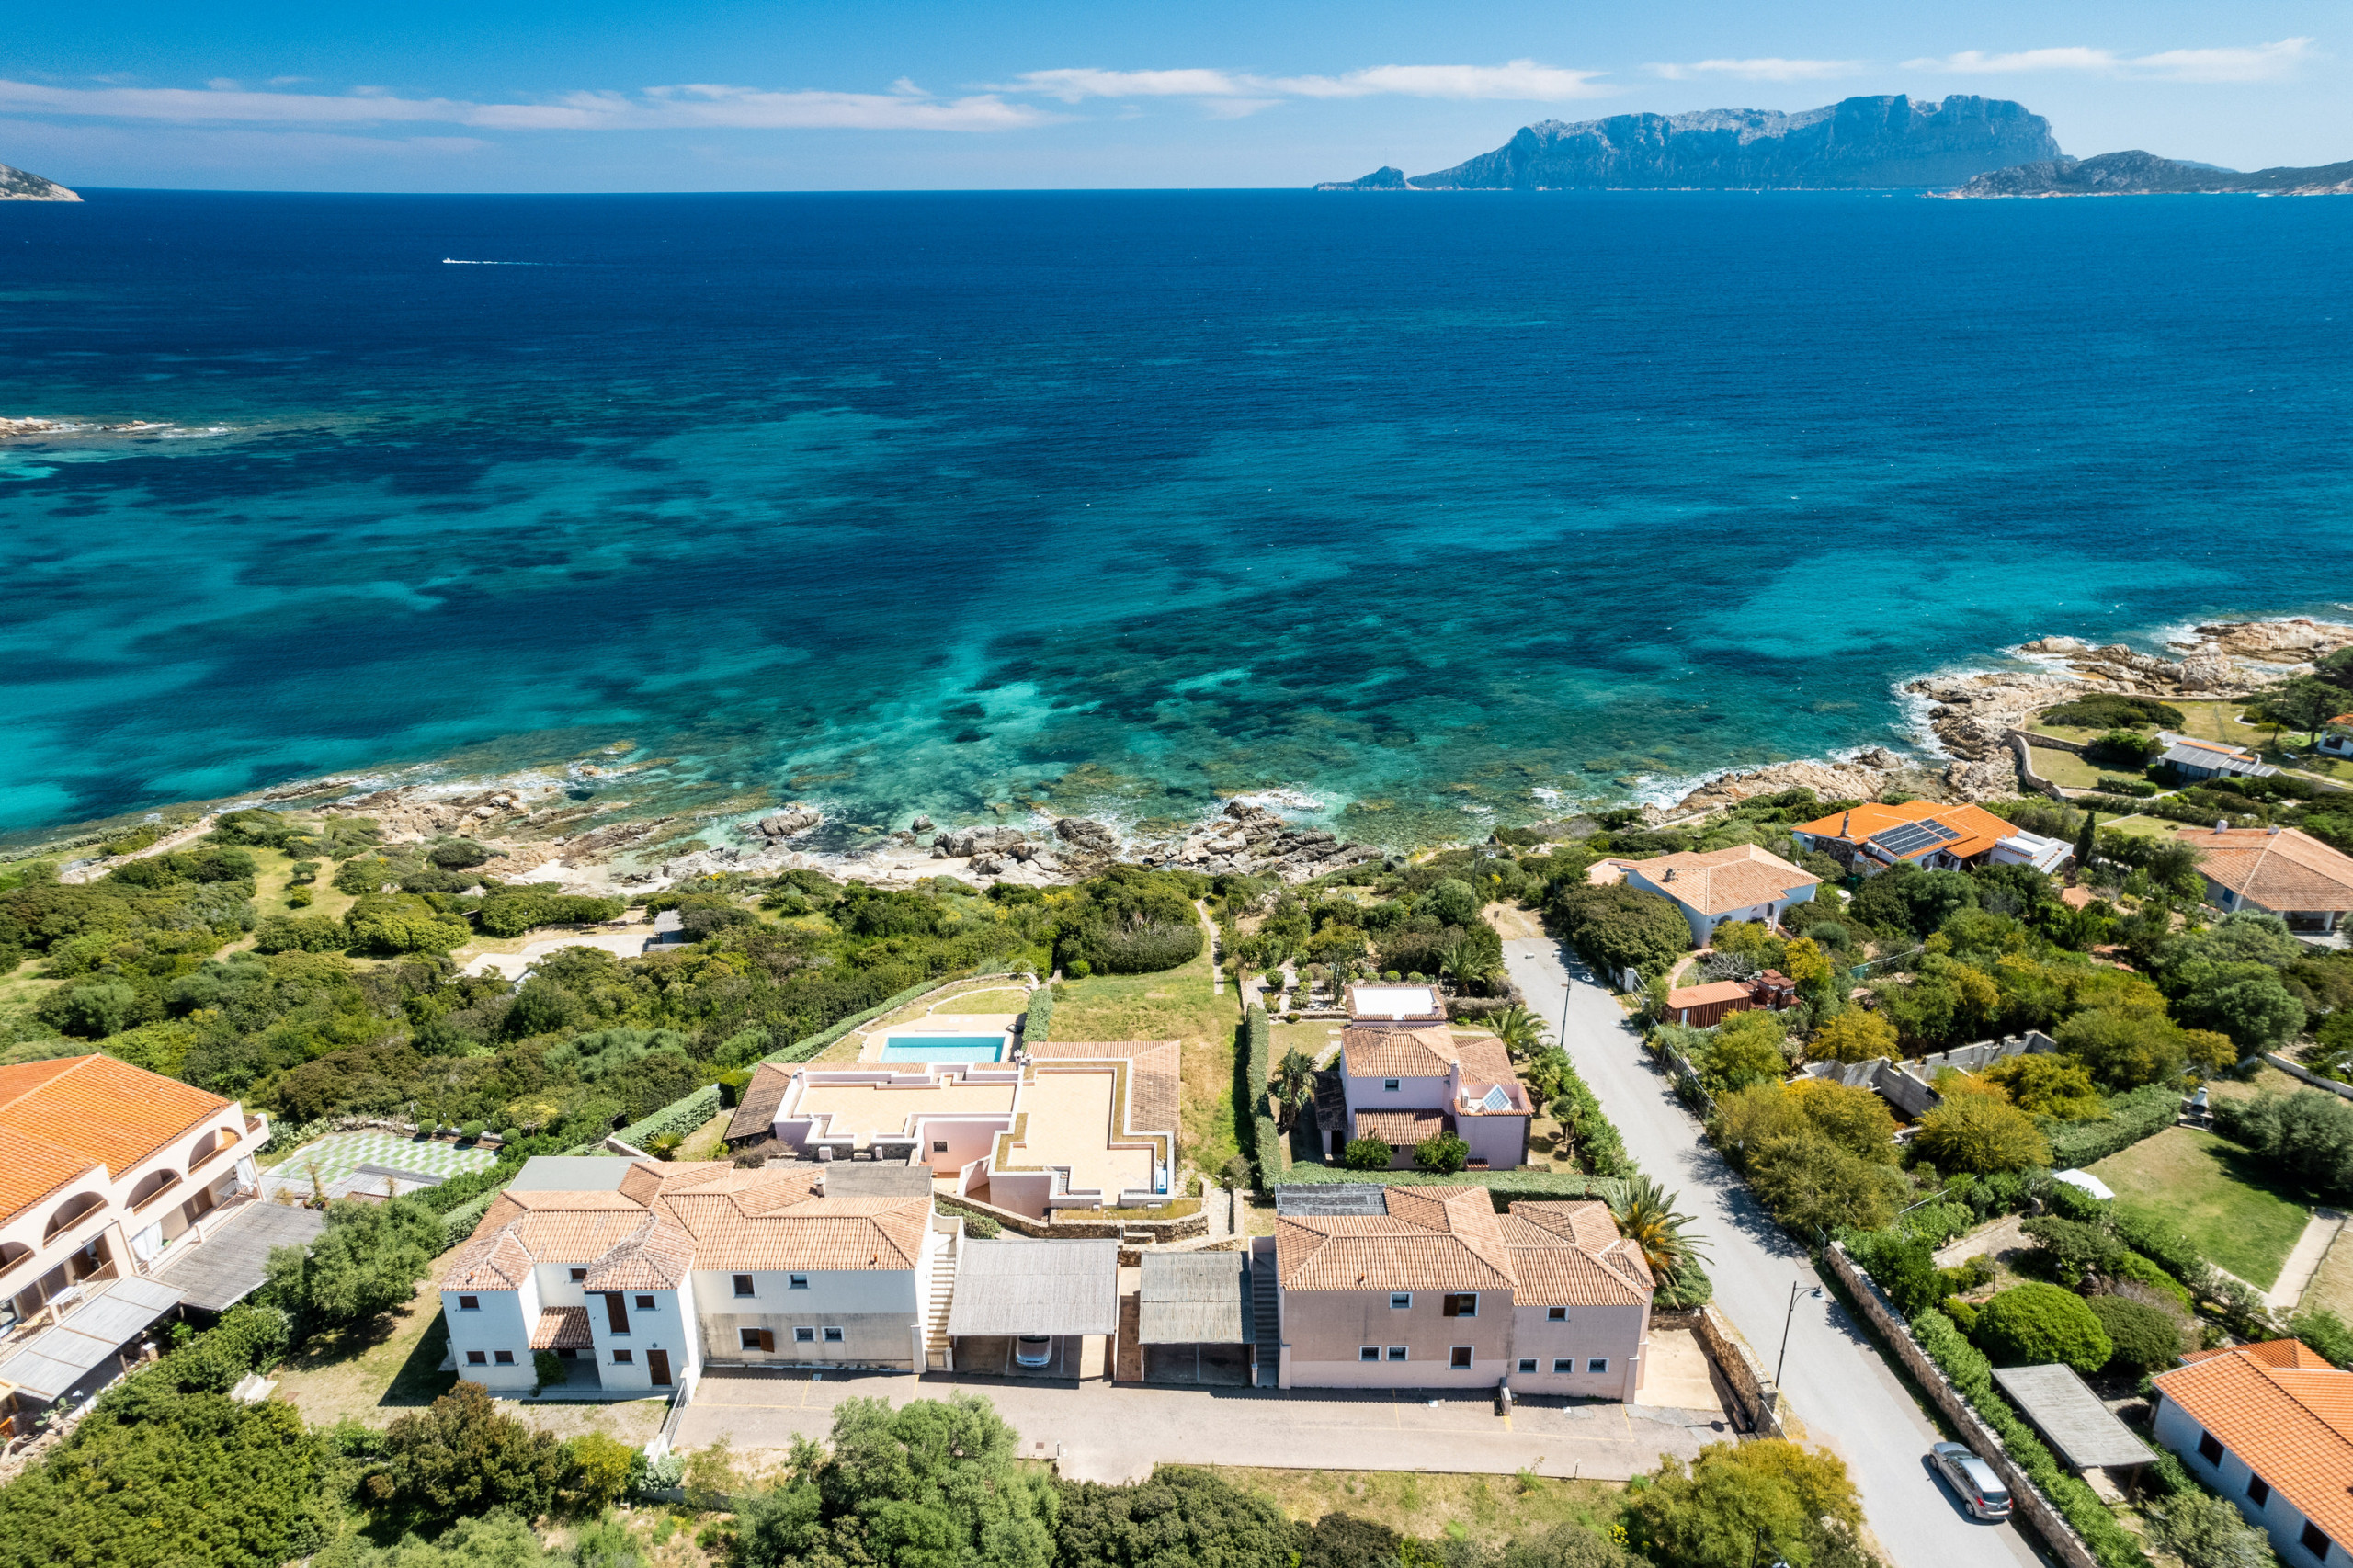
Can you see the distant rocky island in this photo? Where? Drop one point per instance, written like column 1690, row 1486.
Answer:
column 2144, row 174
column 1856, row 143
column 16, row 185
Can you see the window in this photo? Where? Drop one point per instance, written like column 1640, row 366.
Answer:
column 939, row 1145
column 623, row 1358
column 2210, row 1448
column 1401, row 1299
column 2315, row 1540
column 470, row 1303
column 795, row 1281
column 1396, row 1353
column 1599, row 1364
column 804, row 1337
column 1564, row 1363
column 1556, row 1315
column 578, row 1274
column 645, row 1303
column 833, row 1336
column 1460, row 1358
column 1464, row 1304
column 1527, row 1363
column 477, row 1357
column 2258, row 1491
column 1389, row 1086
column 742, row 1284
column 503, row 1357
column 747, row 1340
column 1367, row 1352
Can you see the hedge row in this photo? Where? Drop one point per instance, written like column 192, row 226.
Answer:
column 1507, row 1186
column 459, row 1223
column 679, row 1118
column 2141, row 1113
column 1039, row 1017
column 1972, row 1375
column 802, row 1049
column 2171, row 810
column 1265, row 1147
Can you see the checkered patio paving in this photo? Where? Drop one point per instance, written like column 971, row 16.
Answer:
column 339, row 1154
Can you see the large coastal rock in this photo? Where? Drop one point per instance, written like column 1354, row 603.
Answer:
column 2146, row 174
column 1257, row 842
column 1855, row 143
column 16, row 185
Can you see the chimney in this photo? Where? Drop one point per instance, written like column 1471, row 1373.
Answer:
column 1845, row 821
column 1670, row 875
column 2273, row 832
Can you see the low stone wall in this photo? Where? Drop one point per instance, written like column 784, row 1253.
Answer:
column 1759, row 1399
column 2026, row 775
column 2314, row 1079
column 1074, row 1224
column 2026, row 1498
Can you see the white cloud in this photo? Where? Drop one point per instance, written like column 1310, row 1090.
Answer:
column 1517, row 79
column 1770, row 68
column 693, row 105
column 2260, row 62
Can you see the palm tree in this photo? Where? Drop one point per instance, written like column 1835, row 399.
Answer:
column 1294, row 1084
column 1520, row 1030
column 1647, row 1218
column 1471, row 959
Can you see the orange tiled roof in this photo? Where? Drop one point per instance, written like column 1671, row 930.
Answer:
column 2276, row 868
column 1432, row 1238
column 1399, row 1053
column 1399, row 1129
column 562, row 1328
column 1724, row 879
column 1570, row 1255
column 1714, row 991
column 1980, row 829
column 2287, row 1414
column 70, row 1114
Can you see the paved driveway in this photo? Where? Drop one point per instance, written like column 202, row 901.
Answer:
column 1103, row 1431
column 1842, row 1394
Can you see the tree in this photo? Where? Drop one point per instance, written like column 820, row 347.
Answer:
column 1472, row 959
column 1805, row 961
column 463, row 1455
column 2304, row 704
column 1294, row 1084
column 366, row 1261
column 2308, row 1134
column 1343, row 1541
column 1646, row 1216
column 403, row 922
column 2125, row 1047
column 1366, row 1154
column 1617, row 927
column 598, row 1469
column 2085, row 840
column 1814, row 1185
column 1452, row 900
column 1981, row 1133
column 91, row 1009
column 2206, row 1532
column 1177, row 1515
column 1746, row 1049
column 1910, row 901
column 2047, row 1084
column 2142, row 1339
column 500, row 1541
column 2028, row 1325
column 1904, row 1266
column 1855, row 1035
column 1521, row 1031
column 2253, row 1008
column 1442, row 1155
column 1739, row 1507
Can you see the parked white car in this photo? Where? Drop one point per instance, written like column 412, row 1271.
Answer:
column 1033, row 1350
column 1972, row 1481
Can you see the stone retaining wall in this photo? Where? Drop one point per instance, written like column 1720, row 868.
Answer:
column 1759, row 1399
column 2026, row 1498
column 1057, row 1226
column 2026, row 775
column 2315, row 1080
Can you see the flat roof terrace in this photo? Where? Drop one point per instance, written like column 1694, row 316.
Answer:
column 1070, row 1119
column 878, row 1100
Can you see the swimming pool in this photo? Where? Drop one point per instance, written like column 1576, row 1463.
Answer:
column 944, row 1047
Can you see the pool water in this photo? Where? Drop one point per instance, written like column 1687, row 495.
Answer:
column 944, row 1047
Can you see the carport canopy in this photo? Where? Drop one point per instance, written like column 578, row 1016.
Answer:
column 1193, row 1298
column 1036, row 1287
column 2085, row 1433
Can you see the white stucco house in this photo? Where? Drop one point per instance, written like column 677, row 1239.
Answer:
column 2269, row 1426
column 1743, row 882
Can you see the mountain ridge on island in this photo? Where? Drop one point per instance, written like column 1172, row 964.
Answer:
column 16, row 185
column 2144, row 174
column 1856, row 143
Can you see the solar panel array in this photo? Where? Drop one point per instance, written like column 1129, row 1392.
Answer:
column 1909, row 838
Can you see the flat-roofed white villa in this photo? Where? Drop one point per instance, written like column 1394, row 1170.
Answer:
column 1058, row 1124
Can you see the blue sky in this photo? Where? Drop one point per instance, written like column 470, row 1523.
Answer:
column 722, row 95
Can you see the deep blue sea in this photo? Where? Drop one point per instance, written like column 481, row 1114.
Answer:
column 1444, row 510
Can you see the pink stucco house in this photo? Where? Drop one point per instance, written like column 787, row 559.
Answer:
column 1405, row 1085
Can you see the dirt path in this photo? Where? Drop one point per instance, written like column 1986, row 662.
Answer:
column 2303, row 1261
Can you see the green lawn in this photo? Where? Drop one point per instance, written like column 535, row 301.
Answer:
column 2146, row 827
column 1176, row 1004
column 2215, row 1192
column 2065, row 767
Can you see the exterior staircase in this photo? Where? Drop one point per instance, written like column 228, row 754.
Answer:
column 935, row 1314
column 1265, row 1328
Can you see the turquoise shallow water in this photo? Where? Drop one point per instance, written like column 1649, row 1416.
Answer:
column 1443, row 510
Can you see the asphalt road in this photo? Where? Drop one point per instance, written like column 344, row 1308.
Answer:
column 1842, row 1394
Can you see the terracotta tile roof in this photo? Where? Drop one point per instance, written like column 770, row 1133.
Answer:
column 657, row 1258
column 490, row 1260
column 755, row 1111
column 1432, row 1238
column 1485, row 1060
column 2285, row 1412
column 1714, row 991
column 1980, row 829
column 1154, row 1082
column 1724, row 879
column 1570, row 1255
column 1401, row 1129
column 67, row 1115
column 562, row 1328
column 1399, row 1053
column 2276, row 869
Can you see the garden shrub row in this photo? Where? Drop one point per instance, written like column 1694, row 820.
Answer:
column 677, row 1119
column 802, row 1049
column 1507, row 1186
column 1038, row 1021
column 2170, row 809
column 1969, row 1372
column 2141, row 1113
column 1264, row 1146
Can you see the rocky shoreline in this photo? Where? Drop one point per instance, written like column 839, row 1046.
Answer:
column 540, row 831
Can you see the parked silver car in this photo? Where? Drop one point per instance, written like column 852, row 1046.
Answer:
column 1972, row 1481
column 1033, row 1350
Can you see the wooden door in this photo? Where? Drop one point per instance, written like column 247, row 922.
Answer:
column 657, row 1362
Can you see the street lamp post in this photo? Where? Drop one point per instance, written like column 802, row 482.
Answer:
column 1780, row 1360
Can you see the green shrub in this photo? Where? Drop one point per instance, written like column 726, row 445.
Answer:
column 2073, row 1249
column 1441, row 1155
column 1267, row 1151
column 2325, row 1332
column 2143, row 1113
column 2028, row 1325
column 1038, row 1021
column 301, row 934
column 548, row 1369
column 2142, row 1339
column 1903, row 1265
column 1366, row 1154
column 732, row 1085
